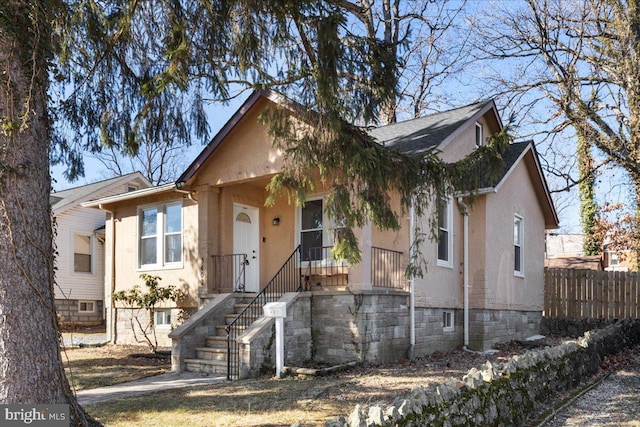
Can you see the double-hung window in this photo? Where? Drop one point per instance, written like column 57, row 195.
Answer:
column 311, row 230
column 82, row 246
column 445, row 232
column 316, row 231
column 160, row 243
column 518, row 238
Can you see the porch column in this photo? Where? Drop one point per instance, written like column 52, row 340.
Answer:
column 207, row 231
column 362, row 273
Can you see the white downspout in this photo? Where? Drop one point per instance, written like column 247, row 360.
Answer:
column 465, row 256
column 108, row 300
column 412, row 297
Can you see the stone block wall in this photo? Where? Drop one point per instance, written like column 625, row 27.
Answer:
column 258, row 352
column 502, row 394
column 363, row 326
column 489, row 327
column 430, row 335
column 68, row 314
column 565, row 327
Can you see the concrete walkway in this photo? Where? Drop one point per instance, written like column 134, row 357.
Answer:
column 77, row 339
column 147, row 385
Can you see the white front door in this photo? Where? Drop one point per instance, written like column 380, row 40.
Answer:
column 246, row 240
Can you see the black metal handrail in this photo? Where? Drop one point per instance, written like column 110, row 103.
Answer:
column 287, row 279
column 228, row 272
column 323, row 269
column 386, row 271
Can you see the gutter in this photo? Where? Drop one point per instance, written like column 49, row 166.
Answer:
column 412, row 297
column 465, row 284
column 111, row 337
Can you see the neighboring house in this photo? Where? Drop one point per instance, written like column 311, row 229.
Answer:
column 564, row 250
column 79, row 237
column 211, row 234
column 619, row 260
column 593, row 262
column 563, row 245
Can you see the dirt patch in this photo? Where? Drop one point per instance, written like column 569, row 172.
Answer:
column 110, row 364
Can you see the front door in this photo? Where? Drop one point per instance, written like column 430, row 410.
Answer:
column 246, row 239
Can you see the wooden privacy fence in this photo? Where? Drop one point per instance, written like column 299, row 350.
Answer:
column 581, row 294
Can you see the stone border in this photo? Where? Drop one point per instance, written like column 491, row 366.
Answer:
column 502, row 394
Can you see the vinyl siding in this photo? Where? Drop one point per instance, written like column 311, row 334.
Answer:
column 69, row 284
column 84, row 221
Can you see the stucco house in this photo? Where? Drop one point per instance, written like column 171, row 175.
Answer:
column 79, row 237
column 211, row 234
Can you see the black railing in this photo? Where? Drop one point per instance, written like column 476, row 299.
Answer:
column 386, row 269
column 287, row 279
column 324, row 270
column 228, row 273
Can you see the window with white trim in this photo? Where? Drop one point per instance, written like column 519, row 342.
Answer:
column 162, row 318
column 445, row 232
column 311, row 230
column 479, row 136
column 160, row 231
column 613, row 260
column 316, row 230
column 86, row 307
column 518, row 239
column 82, row 253
column 447, row 321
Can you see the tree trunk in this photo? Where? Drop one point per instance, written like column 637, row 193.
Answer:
column 31, row 368
column 586, row 192
column 635, row 264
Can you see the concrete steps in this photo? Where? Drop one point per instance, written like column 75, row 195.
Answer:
column 212, row 358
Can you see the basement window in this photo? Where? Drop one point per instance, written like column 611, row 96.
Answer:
column 162, row 318
column 447, row 321
column 86, row 307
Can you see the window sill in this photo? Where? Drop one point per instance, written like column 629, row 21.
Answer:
column 147, row 268
column 444, row 264
column 518, row 274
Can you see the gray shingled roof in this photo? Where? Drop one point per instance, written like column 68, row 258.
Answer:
column 510, row 157
column 425, row 133
column 62, row 198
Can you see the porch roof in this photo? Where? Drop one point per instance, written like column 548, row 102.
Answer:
column 66, row 199
column 131, row 195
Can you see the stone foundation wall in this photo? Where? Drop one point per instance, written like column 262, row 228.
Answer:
column 489, row 327
column 503, row 394
column 371, row 326
column 430, row 335
column 130, row 332
column 69, row 315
